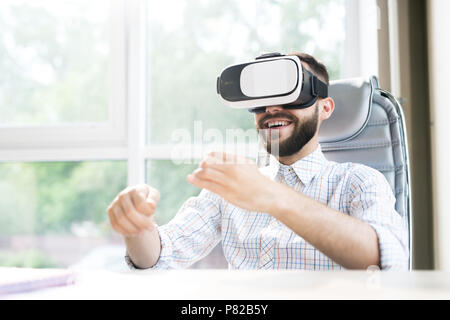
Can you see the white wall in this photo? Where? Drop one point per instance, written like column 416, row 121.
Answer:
column 438, row 12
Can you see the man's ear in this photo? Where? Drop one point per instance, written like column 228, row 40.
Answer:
column 326, row 108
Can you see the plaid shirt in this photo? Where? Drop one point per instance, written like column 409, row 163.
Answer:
column 256, row 240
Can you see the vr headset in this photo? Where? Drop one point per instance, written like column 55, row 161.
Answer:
column 272, row 79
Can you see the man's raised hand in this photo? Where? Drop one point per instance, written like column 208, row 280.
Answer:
column 237, row 180
column 131, row 212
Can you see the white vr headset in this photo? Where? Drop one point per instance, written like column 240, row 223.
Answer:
column 271, row 80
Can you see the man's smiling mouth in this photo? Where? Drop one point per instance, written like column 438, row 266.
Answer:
column 276, row 124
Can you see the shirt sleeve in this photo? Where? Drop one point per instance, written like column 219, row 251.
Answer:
column 372, row 201
column 191, row 234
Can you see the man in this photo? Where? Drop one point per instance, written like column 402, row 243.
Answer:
column 303, row 212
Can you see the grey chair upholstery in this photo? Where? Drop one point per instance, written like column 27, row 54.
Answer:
column 367, row 127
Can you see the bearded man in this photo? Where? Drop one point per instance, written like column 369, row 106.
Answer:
column 300, row 212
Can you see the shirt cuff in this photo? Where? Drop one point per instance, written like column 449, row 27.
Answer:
column 394, row 253
column 165, row 254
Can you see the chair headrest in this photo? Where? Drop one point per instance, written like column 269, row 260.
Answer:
column 353, row 102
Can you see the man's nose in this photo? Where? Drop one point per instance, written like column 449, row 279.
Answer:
column 274, row 109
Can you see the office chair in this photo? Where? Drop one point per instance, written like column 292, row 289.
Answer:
column 368, row 127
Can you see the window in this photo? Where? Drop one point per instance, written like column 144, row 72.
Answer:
column 62, row 73
column 53, row 213
column 95, row 96
column 62, row 105
column 56, row 54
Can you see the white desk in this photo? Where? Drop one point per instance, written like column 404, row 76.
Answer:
column 252, row 285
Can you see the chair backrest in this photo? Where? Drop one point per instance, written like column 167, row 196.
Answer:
column 368, row 127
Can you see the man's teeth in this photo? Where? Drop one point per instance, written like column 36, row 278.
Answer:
column 277, row 124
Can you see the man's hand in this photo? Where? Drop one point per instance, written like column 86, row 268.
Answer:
column 131, row 212
column 237, row 180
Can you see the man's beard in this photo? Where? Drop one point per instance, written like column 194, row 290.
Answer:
column 302, row 133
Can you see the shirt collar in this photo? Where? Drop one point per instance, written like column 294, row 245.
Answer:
column 306, row 168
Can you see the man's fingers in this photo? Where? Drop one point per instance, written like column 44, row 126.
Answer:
column 115, row 224
column 138, row 220
column 131, row 210
column 145, row 191
column 223, row 161
column 212, row 175
column 140, row 203
column 142, row 189
column 153, row 195
column 123, row 221
column 205, row 184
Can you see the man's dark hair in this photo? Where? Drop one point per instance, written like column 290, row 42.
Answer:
column 317, row 67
